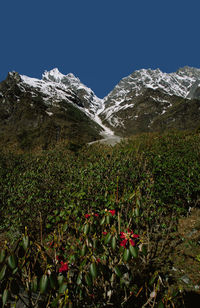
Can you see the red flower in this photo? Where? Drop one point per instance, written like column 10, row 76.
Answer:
column 128, row 237
column 131, row 242
column 123, row 243
column 88, row 215
column 104, row 232
column 64, row 267
column 123, row 235
column 112, row 212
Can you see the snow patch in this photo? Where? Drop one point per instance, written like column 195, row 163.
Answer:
column 55, row 87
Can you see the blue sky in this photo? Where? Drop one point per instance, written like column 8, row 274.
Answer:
column 100, row 41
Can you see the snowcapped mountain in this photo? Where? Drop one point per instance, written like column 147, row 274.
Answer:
column 146, row 94
column 55, row 87
column 41, row 112
column 62, row 107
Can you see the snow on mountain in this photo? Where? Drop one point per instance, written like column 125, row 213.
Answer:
column 127, row 91
column 55, row 87
column 177, row 83
column 138, row 91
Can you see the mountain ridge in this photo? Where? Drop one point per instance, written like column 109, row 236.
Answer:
column 144, row 101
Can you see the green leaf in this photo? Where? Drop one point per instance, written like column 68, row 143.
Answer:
column 133, row 251
column 126, row 255
column 25, row 242
column 5, row 296
column 95, row 242
column 108, row 219
column 43, row 284
column 83, row 250
column 65, row 226
column 107, row 238
column 53, row 281
column 102, row 221
column 93, row 270
column 12, row 261
column 114, row 243
column 56, row 212
column 117, row 271
column 88, row 280
column 15, row 270
column 86, row 229
column 34, row 284
column 2, row 255
column 63, row 288
column 138, row 203
column 62, row 213
column 79, row 279
column 3, row 272
column 137, row 212
column 60, row 279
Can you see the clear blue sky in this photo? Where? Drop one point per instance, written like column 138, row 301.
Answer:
column 100, row 41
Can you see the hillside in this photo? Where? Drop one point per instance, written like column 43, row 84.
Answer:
column 30, row 116
column 102, row 226
column 150, row 100
column 38, row 113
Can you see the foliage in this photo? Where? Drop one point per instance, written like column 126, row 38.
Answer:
column 98, row 261
column 144, row 183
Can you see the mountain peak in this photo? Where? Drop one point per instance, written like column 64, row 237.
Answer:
column 53, row 75
column 189, row 71
column 56, row 76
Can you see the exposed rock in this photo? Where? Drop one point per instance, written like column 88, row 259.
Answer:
column 30, row 118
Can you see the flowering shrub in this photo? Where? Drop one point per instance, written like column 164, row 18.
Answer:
column 91, row 265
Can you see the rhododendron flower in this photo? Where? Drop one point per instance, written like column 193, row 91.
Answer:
column 112, row 212
column 131, row 242
column 93, row 214
column 64, row 267
column 123, row 243
column 128, row 238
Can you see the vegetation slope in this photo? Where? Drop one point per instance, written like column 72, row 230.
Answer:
column 100, row 226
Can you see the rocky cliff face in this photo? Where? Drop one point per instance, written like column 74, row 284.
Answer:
column 42, row 112
column 148, row 97
column 37, row 112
